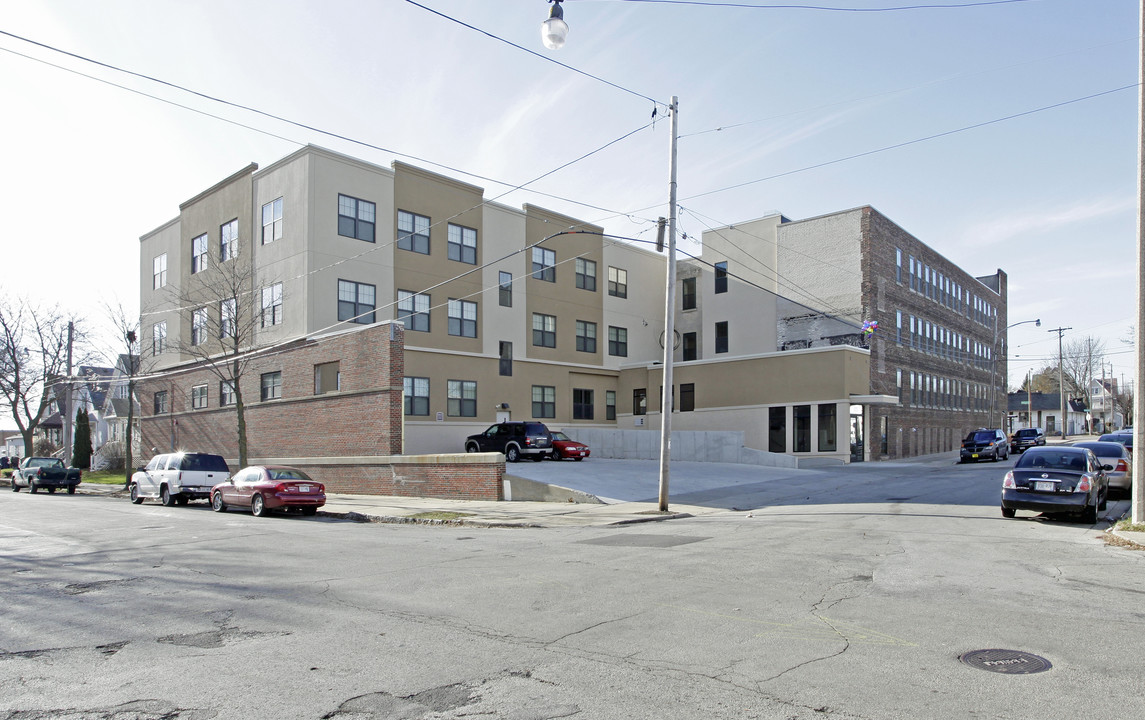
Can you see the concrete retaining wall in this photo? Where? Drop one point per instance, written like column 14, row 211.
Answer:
column 724, row 446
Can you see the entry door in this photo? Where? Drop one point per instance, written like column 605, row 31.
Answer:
column 857, row 452
column 503, row 416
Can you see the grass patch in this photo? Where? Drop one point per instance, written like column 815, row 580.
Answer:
column 104, row 477
column 1128, row 526
column 440, row 515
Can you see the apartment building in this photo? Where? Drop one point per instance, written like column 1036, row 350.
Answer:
column 507, row 312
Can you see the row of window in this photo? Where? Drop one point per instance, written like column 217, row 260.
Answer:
column 930, row 283
column 687, row 399
column 801, row 428
column 461, row 400
column 933, row 391
column 934, row 339
column 327, row 378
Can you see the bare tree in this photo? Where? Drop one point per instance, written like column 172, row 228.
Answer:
column 1123, row 401
column 126, row 359
column 224, row 312
column 33, row 361
column 1081, row 364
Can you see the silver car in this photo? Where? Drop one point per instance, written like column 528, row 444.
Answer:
column 1115, row 454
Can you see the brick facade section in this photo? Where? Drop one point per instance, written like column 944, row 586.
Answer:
column 917, row 429
column 349, row 439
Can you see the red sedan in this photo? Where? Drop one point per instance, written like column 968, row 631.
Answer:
column 565, row 447
column 263, row 488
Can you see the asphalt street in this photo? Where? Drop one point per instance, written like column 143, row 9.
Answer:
column 847, row 593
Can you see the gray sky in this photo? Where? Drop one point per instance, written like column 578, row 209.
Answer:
column 1048, row 196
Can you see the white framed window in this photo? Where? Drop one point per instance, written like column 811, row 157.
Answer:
column 416, row 396
column 544, row 264
column 544, row 330
column 356, row 218
column 198, row 326
column 413, row 308
column 462, row 244
column 461, row 398
column 271, row 385
column 617, row 282
column 356, row 301
column 226, row 392
column 463, row 318
column 162, row 405
column 272, row 305
column 413, row 232
column 159, row 338
column 618, row 341
column 199, row 255
column 159, row 271
column 228, row 316
column 544, row 401
column 272, row 221
column 198, row 397
column 586, row 274
column 229, row 240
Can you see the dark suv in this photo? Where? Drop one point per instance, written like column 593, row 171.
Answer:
column 1027, row 438
column 984, row 443
column 515, row 438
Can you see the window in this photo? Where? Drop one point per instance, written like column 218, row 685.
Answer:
column 161, row 403
column 582, row 404
column 228, row 314
column 272, row 385
column 801, row 415
column 898, row 327
column 159, row 272
column 505, row 364
column 272, row 221
column 199, row 254
column 586, row 274
column 413, row 308
column 721, row 277
column 690, row 348
column 461, row 398
column 356, row 302
column 544, row 401
column 272, row 305
column 462, row 245
column 462, row 318
column 544, row 264
column 327, row 378
column 688, row 294
column 828, row 430
column 226, row 392
column 229, row 240
column 777, row 429
column 722, row 337
column 198, row 397
column 585, row 336
column 413, row 232
column 356, row 218
column 609, row 404
column 159, row 338
column 898, row 266
column 640, row 401
column 618, row 341
column 617, row 282
column 416, row 396
column 198, row 326
column 687, row 397
column 505, row 289
column 544, row 330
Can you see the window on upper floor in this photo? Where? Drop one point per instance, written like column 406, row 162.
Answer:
column 463, row 318
column 271, row 384
column 721, row 277
column 586, row 274
column 585, row 336
column 688, row 293
column 462, row 245
column 226, row 392
column 416, row 399
column 356, row 302
column 272, row 305
column 582, row 404
column 505, row 289
column 162, row 404
column 461, row 398
column 327, row 377
column 722, row 336
column 413, row 232
column 617, row 282
column 609, row 404
column 159, row 338
column 640, row 401
column 356, row 218
column 618, row 341
column 229, row 240
column 159, row 271
column 689, row 346
column 544, row 330
column 505, row 354
column 544, row 401
column 272, row 221
column 413, row 309
column 228, row 316
column 544, row 264
column 198, row 397
column 198, row 326
column 199, row 254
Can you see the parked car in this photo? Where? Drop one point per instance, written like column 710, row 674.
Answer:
column 48, row 473
column 1026, row 438
column 263, row 488
column 1061, row 479
column 177, row 478
column 515, row 438
column 984, row 443
column 1117, row 455
column 565, row 447
column 1125, row 438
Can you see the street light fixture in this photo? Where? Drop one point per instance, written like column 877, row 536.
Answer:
column 555, row 30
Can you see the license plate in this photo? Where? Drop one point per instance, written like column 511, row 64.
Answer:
column 1045, row 486
column 303, row 488
column 975, row 456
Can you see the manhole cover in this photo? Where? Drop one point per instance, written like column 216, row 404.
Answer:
column 1010, row 662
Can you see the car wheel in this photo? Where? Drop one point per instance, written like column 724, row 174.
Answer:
column 166, row 497
column 309, row 511
column 1008, row 512
column 15, row 487
column 258, row 506
column 182, row 499
column 32, row 487
column 217, row 503
column 51, row 491
column 472, row 448
column 1089, row 514
column 512, row 453
column 135, row 499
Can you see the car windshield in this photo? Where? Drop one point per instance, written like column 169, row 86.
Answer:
column 982, row 436
column 1027, row 433
column 280, row 474
column 1124, row 438
column 1054, row 460
column 203, row 463
column 558, row 435
column 1103, row 449
column 46, row 462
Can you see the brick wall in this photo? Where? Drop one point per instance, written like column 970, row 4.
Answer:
column 458, row 476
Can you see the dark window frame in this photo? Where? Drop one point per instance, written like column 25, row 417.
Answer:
column 722, row 336
column 353, row 224
column 418, row 320
column 414, row 404
column 546, row 407
column 721, row 275
column 544, row 337
column 270, row 385
column 586, row 274
column 688, row 293
column 411, row 239
column 460, row 325
column 457, row 404
column 617, row 347
column 585, row 343
column 617, row 282
column 544, row 264
column 583, row 404
column 460, row 250
column 356, row 310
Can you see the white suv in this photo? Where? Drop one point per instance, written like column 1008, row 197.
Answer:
column 178, row 477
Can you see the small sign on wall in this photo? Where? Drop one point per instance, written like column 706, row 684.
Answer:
column 441, row 417
column 638, row 421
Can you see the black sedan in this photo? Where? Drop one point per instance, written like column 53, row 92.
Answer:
column 1056, row 480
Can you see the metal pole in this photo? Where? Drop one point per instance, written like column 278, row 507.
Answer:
column 68, row 402
column 1061, row 373
column 1138, row 497
column 669, row 314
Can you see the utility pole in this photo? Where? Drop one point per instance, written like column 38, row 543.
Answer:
column 669, row 314
column 68, row 401
column 1137, row 503
column 1061, row 372
column 1029, row 400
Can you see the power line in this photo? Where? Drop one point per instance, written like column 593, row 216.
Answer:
column 896, row 8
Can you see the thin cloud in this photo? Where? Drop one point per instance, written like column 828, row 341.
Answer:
column 1001, row 230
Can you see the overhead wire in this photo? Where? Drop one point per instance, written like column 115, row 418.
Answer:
column 829, row 8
